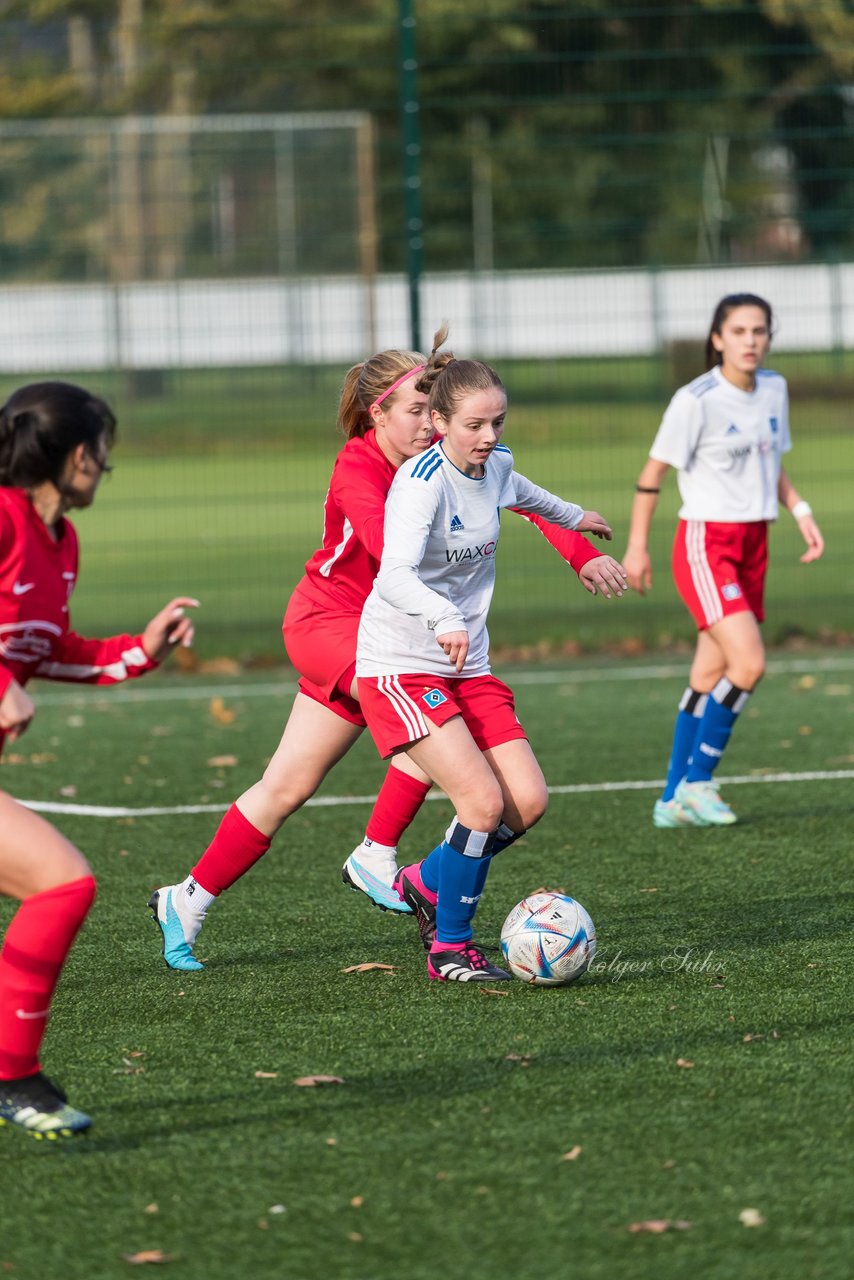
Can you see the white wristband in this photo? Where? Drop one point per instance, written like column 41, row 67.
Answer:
column 801, row 509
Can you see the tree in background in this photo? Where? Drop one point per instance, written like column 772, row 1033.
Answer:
column 553, row 136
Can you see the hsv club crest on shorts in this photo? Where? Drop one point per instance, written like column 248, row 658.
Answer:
column 433, row 697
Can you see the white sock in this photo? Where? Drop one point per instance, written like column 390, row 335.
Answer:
column 191, row 902
column 380, row 859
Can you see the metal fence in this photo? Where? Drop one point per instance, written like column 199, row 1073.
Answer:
column 208, row 216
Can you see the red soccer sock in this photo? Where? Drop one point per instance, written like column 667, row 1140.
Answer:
column 34, row 951
column 399, row 799
column 235, row 848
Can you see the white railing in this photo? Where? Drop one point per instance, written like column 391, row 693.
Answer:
column 326, row 320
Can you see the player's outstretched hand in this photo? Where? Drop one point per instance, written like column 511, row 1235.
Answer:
column 169, row 628
column 592, row 522
column 811, row 535
column 16, row 710
column 456, row 646
column 604, row 576
column 639, row 570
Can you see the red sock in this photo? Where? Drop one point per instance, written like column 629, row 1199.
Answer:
column 235, row 848
column 399, row 800
column 34, row 950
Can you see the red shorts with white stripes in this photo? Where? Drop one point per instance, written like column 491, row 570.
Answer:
column 321, row 644
column 400, row 709
column 719, row 568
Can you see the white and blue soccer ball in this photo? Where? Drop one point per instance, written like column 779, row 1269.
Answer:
column 548, row 939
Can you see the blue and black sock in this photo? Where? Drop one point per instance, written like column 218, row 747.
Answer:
column 725, row 704
column 688, row 717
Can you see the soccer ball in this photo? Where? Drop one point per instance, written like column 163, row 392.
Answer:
column 548, row 939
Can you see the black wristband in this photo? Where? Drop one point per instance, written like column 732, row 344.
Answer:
column 639, row 488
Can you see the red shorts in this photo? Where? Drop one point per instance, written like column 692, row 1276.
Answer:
column 400, row 709
column 322, row 646
column 719, row 568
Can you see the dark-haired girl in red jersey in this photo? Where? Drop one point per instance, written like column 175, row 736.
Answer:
column 55, row 439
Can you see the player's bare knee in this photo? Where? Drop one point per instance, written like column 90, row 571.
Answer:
column 748, row 673
column 287, row 794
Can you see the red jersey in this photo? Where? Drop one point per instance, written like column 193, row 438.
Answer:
column 341, row 572
column 37, row 576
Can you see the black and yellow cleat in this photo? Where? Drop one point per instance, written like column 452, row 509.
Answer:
column 39, row 1107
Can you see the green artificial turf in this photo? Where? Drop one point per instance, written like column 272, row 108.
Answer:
column 442, row 1156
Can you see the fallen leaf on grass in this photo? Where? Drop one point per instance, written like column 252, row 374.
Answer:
column 751, row 1218
column 222, row 762
column 492, row 991
column 805, row 731
column 367, row 966
column 220, row 712
column 523, row 1059
column 751, row 1036
column 648, row 891
column 657, row 1226
column 355, row 1237
column 308, row 1082
column 684, row 1062
column 68, row 791
column 357, row 1201
column 128, row 1067
column 572, row 1154
column 151, row 1208
column 266, row 1075
column 148, row 1255
column 219, row 667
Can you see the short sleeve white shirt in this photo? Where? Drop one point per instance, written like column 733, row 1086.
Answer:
column 726, row 446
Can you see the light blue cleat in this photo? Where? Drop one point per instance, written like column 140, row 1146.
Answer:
column 670, row 813
column 177, row 952
column 375, row 887
column 704, row 802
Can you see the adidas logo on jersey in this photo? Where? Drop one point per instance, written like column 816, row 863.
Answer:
column 457, row 525
column 732, row 429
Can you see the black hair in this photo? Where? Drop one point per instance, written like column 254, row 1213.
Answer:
column 41, row 423
column 722, row 310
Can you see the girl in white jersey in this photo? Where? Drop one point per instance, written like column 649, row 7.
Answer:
column 725, row 433
column 422, row 657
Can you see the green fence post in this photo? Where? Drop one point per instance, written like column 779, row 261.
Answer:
column 411, row 158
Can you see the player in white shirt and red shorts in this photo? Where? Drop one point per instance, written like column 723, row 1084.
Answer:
column 384, row 418
column 54, row 442
column 725, row 434
column 422, row 657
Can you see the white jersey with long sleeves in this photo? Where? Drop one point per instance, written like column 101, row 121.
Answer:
column 726, row 445
column 438, row 565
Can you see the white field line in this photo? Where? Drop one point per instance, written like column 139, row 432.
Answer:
column 600, row 675
column 574, row 789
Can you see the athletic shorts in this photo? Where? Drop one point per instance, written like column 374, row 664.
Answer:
column 322, row 646
column 400, row 709
column 719, row 568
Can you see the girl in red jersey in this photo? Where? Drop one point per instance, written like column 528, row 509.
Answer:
column 54, row 443
column 725, row 433
column 385, row 421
